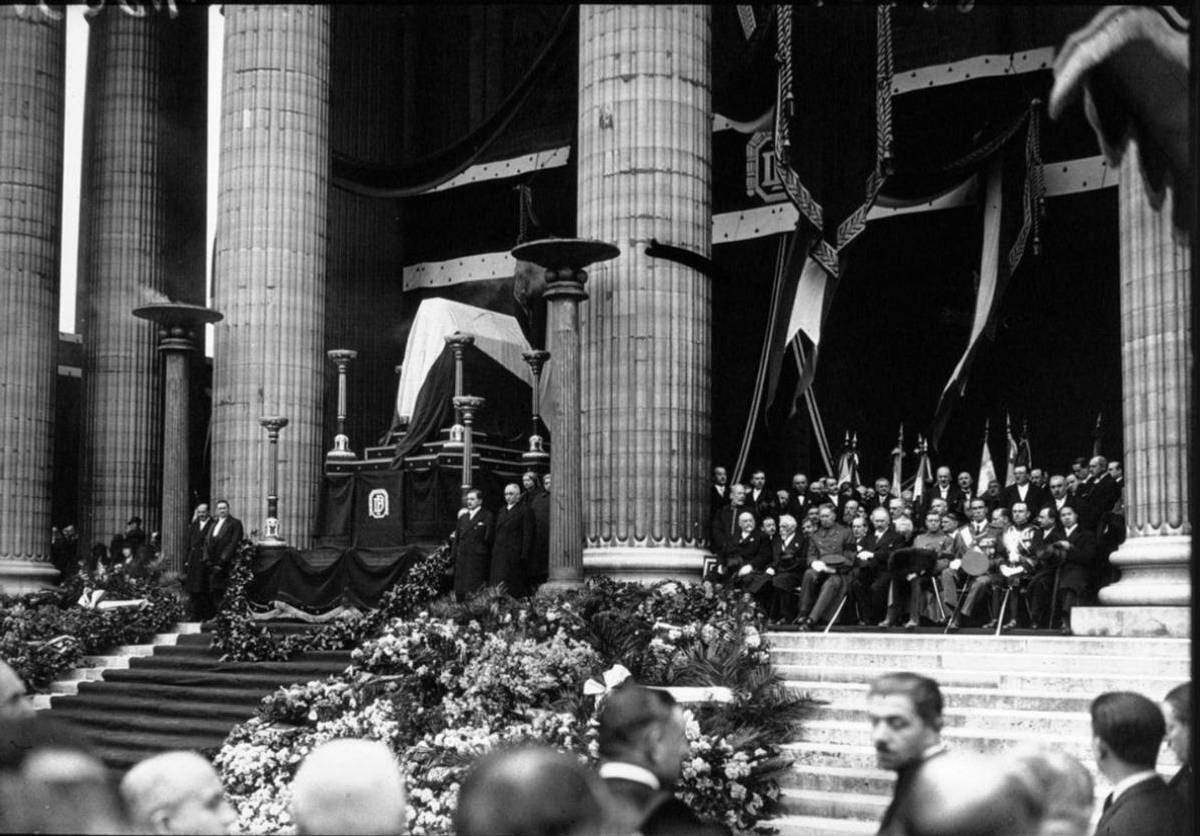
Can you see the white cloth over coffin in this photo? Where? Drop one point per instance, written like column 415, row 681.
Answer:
column 497, row 335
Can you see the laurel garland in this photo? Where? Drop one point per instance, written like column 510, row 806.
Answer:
column 239, row 637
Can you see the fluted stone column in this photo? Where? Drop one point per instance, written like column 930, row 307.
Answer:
column 140, row 243
column 645, row 159
column 270, row 259
column 31, row 123
column 1154, row 591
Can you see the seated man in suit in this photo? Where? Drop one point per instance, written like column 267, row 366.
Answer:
column 977, row 536
column 1014, row 568
column 724, row 528
column 911, row 569
column 1127, row 732
column 1047, row 557
column 643, row 744
column 1079, row 545
column 788, row 551
column 831, row 555
column 747, row 560
column 870, row 577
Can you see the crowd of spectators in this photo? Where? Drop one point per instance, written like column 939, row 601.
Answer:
column 51, row 782
column 1022, row 555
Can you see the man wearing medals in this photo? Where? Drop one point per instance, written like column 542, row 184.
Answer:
column 968, row 571
column 1016, row 564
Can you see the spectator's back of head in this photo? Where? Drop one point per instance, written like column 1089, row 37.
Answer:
column 1128, row 726
column 1064, row 785
column 177, row 792
column 14, row 703
column 968, row 794
column 530, row 791
column 644, row 726
column 59, row 789
column 349, row 786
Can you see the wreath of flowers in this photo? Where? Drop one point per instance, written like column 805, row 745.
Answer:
column 241, row 638
column 44, row 634
column 444, row 683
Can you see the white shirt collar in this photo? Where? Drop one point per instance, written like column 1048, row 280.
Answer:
column 217, row 527
column 1067, row 531
column 471, row 513
column 629, row 772
column 1131, row 780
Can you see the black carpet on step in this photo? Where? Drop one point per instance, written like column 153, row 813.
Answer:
column 181, row 697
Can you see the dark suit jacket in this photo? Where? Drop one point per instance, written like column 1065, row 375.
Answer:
column 512, row 543
column 724, row 528
column 194, row 571
column 656, row 812
column 799, row 504
column 472, row 551
column 767, row 504
column 1035, row 498
column 892, row 822
column 754, row 551
column 220, row 547
column 1095, row 501
column 1181, row 785
column 954, row 498
column 882, row 546
column 1148, row 808
column 539, row 555
column 716, row 500
column 788, row 562
column 1078, row 564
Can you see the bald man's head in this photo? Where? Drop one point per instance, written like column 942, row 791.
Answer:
column 177, row 792
column 993, row 802
column 530, row 791
column 349, row 786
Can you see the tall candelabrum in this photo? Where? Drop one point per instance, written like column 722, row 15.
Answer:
column 458, row 343
column 341, row 451
column 271, row 536
column 536, row 456
column 467, row 406
column 178, row 328
column 564, row 260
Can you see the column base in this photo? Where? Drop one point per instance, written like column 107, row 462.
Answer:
column 1154, row 573
column 645, row 565
column 1131, row 621
column 20, row 576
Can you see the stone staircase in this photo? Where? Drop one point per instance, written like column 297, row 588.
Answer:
column 174, row 693
column 998, row 692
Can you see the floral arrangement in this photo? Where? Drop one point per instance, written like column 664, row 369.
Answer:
column 444, row 683
column 44, row 634
column 239, row 637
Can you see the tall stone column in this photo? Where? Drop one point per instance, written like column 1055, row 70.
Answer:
column 31, row 169
column 139, row 245
column 645, row 159
column 1154, row 592
column 270, row 259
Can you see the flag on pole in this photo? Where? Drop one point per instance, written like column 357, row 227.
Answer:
column 1010, row 478
column 897, row 460
column 1097, row 434
column 1024, row 454
column 924, row 471
column 848, row 463
column 987, row 470
column 843, row 471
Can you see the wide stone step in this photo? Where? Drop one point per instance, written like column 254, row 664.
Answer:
column 235, row 706
column 961, row 697
column 998, row 720
column 1154, row 687
column 106, row 723
column 203, row 678
column 834, row 805
column 82, row 675
column 192, row 651
column 236, row 692
column 958, row 661
column 153, row 742
column 840, row 779
column 858, row 733
column 982, row 642
column 819, row 826
column 324, row 666
column 853, row 753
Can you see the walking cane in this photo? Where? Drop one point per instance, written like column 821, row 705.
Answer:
column 937, row 596
column 1003, row 609
column 837, row 613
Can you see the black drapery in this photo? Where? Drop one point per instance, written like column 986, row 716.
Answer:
column 323, row 578
column 505, row 415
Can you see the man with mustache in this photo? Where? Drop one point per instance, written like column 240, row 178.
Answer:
column 905, row 711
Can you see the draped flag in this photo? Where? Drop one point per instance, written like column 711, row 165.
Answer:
column 1024, row 454
column 1013, row 450
column 848, row 462
column 897, row 462
column 833, row 146
column 987, row 470
column 1097, row 434
column 924, row 471
column 1012, row 207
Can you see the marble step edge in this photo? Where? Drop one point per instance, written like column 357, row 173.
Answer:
column 797, row 825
